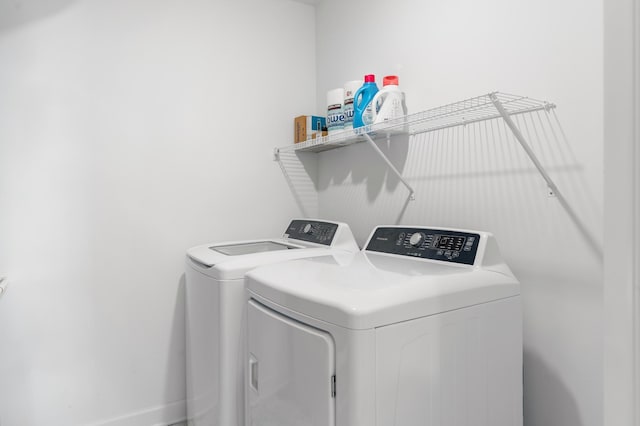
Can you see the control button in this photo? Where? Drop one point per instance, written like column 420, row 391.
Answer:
column 307, row 228
column 467, row 248
column 447, row 254
column 417, row 239
column 440, row 252
column 455, row 254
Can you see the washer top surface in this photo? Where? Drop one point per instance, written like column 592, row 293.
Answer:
column 302, row 238
column 388, row 282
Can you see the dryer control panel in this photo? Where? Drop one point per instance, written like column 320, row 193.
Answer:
column 312, row 231
column 436, row 244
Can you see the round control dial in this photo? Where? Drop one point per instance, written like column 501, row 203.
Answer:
column 417, row 239
column 307, row 228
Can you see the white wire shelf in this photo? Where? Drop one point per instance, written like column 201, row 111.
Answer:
column 459, row 113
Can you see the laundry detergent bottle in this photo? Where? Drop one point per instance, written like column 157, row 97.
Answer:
column 389, row 102
column 362, row 106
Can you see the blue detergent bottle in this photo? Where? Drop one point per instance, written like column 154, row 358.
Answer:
column 362, row 115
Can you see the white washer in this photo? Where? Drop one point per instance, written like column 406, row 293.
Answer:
column 423, row 327
column 215, row 309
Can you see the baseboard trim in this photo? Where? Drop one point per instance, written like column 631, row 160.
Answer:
column 172, row 414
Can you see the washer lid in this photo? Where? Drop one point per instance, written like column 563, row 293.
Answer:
column 368, row 289
column 302, row 238
column 212, row 254
column 210, row 261
column 238, row 249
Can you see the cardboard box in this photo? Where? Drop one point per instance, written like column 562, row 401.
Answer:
column 309, row 127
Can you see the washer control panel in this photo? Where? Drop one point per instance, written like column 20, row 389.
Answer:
column 435, row 244
column 312, row 231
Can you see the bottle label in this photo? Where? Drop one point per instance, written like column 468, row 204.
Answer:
column 348, row 112
column 389, row 107
column 367, row 115
column 335, row 117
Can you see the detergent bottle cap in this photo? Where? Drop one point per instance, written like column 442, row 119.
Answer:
column 390, row 80
column 370, row 78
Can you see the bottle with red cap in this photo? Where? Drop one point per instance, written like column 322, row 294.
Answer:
column 362, row 115
column 389, row 103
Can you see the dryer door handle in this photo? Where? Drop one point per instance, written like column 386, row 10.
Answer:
column 253, row 372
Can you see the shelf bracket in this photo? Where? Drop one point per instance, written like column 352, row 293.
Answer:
column 552, row 187
column 523, row 142
column 391, row 166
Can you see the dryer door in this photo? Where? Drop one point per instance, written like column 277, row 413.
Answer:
column 289, row 372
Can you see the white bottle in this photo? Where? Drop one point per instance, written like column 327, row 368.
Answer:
column 389, row 102
column 335, row 110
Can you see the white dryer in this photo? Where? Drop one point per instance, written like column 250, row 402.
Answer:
column 423, row 327
column 215, row 309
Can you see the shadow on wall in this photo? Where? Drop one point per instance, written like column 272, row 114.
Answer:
column 176, row 379
column 16, row 13
column 553, row 394
column 306, row 180
column 373, row 169
column 300, row 170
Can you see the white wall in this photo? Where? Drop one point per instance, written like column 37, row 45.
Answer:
column 476, row 176
column 131, row 130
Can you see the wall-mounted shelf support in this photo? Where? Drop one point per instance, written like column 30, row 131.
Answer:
column 391, row 166
column 523, row 142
